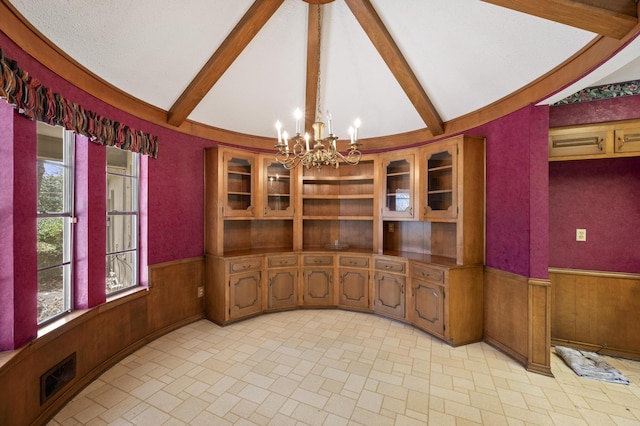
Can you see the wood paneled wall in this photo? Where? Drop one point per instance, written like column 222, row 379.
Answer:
column 597, row 311
column 100, row 337
column 517, row 318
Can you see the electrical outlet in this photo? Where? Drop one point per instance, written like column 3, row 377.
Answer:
column 392, row 227
column 581, row 235
column 200, row 291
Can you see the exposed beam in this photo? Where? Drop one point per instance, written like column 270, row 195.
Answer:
column 313, row 50
column 250, row 24
column 391, row 54
column 611, row 18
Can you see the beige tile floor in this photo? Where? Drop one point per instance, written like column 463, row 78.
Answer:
column 326, row 367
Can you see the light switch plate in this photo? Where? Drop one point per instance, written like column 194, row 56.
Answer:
column 581, row 235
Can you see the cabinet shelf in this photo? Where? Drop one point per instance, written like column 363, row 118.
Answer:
column 440, row 168
column 311, row 179
column 337, row 217
column 441, row 191
column 342, row 197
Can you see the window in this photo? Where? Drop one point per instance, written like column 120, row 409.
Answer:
column 122, row 220
column 55, row 215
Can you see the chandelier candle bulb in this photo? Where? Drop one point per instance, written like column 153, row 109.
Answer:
column 297, row 114
column 306, row 139
column 285, row 135
column 357, row 126
column 279, row 130
column 330, row 127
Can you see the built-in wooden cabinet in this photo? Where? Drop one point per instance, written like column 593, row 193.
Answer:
column 446, row 301
column 282, row 281
column 390, row 282
column 398, row 172
column 426, row 307
column 400, row 235
column 318, row 285
column 240, row 184
column 238, row 290
column 339, row 207
column 277, row 189
column 354, row 281
column 439, row 186
column 605, row 140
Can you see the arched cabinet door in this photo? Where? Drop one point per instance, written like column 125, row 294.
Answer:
column 244, row 294
column 283, row 288
column 427, row 306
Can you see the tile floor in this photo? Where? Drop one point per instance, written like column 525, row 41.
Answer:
column 326, row 367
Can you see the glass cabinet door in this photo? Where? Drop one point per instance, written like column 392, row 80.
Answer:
column 440, row 188
column 277, row 190
column 239, row 185
column 399, row 193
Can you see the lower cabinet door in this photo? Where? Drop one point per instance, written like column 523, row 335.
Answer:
column 427, row 306
column 283, row 288
column 354, row 288
column 318, row 286
column 244, row 294
column 390, row 295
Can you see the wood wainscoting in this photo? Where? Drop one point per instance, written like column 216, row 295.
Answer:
column 517, row 318
column 596, row 311
column 99, row 337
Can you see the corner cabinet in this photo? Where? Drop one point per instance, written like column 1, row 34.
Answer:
column 400, row 235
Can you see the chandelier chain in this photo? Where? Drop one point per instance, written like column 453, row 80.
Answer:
column 324, row 150
column 318, row 88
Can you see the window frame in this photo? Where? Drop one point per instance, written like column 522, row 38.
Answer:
column 68, row 215
column 134, row 214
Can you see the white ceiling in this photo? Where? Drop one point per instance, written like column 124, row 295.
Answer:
column 466, row 54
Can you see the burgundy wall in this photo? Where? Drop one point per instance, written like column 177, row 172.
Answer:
column 517, row 192
column 622, row 108
column 18, row 246
column 602, row 197
column 176, row 181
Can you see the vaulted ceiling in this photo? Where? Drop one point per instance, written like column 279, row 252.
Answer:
column 410, row 70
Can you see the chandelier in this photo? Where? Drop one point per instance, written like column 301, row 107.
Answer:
column 322, row 151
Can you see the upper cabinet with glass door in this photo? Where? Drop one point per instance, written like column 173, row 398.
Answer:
column 276, row 189
column 439, row 184
column 399, row 194
column 239, row 182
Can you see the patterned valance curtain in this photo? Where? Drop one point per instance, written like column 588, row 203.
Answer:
column 37, row 102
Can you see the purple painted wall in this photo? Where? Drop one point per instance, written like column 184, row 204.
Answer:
column 18, row 205
column 517, row 188
column 616, row 109
column 602, row 197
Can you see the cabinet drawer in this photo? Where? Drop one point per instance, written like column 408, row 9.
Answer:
column 391, row 265
column 564, row 143
column 245, row 265
column 354, row 262
column 324, row 260
column 427, row 273
column 627, row 140
column 281, row 261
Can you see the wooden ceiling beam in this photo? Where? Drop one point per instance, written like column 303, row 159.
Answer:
column 313, row 50
column 374, row 28
column 250, row 24
column 611, row 18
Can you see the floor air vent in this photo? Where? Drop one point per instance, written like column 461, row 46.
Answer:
column 58, row 376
